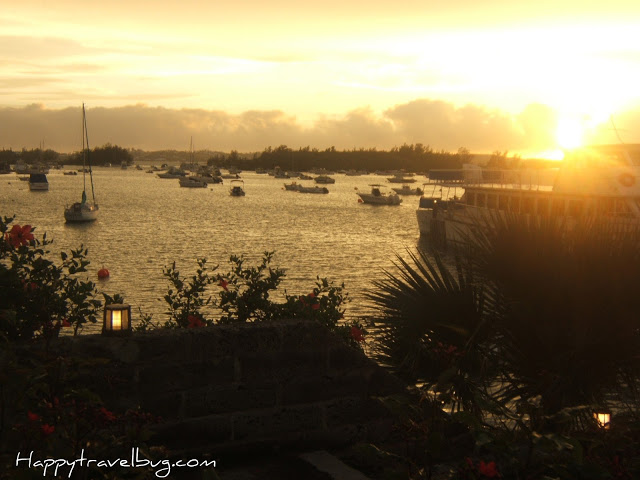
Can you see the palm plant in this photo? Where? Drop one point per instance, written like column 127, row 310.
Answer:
column 570, row 328
column 433, row 327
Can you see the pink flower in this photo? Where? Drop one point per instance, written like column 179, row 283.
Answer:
column 223, row 283
column 34, row 417
column 195, row 321
column 488, row 470
column 18, row 235
column 356, row 334
column 47, row 429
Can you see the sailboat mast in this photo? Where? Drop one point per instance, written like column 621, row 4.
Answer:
column 86, row 136
column 84, row 155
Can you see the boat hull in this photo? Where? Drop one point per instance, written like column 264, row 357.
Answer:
column 78, row 213
column 380, row 199
column 189, row 182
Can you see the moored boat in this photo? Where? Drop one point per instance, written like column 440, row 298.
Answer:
column 38, row 182
column 84, row 211
column 191, row 182
column 172, row 172
column 314, row 189
column 407, row 190
column 237, row 188
column 324, row 179
column 378, row 197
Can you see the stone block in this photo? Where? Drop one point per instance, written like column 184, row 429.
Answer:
column 316, row 389
column 193, row 433
column 229, row 398
column 353, row 410
column 281, row 365
column 271, row 423
column 343, row 357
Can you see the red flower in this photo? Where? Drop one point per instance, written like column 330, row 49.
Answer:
column 312, row 295
column 223, row 283
column 47, row 429
column 195, row 321
column 356, row 334
column 103, row 273
column 65, row 323
column 34, row 417
column 107, row 415
column 19, row 235
column 315, row 306
column 489, row 470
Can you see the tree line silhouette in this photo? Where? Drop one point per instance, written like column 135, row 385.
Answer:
column 410, row 157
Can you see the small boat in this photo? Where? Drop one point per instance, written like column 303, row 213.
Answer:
column 70, row 172
column 83, row 211
column 401, row 179
column 324, row 179
column 407, row 190
column 38, row 182
column 304, row 176
column 314, row 189
column 228, row 176
column 377, row 197
column 237, row 190
column 207, row 177
column 173, row 172
column 191, row 182
column 292, row 187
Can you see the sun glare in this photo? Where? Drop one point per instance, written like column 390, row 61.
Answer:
column 569, row 133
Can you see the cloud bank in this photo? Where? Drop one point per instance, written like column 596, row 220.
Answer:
column 438, row 124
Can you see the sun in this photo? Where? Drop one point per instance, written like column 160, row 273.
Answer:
column 569, row 133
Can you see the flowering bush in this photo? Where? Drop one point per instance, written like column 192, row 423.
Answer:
column 186, row 297
column 38, row 296
column 244, row 294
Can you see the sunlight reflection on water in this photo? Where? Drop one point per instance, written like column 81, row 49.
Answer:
column 146, row 223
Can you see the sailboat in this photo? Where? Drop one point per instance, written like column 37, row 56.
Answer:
column 83, row 211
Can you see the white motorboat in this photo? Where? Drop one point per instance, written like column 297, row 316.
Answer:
column 237, row 188
column 84, row 211
column 599, row 181
column 191, row 182
column 38, row 182
column 378, row 197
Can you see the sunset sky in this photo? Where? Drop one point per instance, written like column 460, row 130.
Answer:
column 486, row 75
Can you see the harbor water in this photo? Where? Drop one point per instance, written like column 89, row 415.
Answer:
column 146, row 223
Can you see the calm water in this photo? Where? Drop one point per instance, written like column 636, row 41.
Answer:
column 146, row 223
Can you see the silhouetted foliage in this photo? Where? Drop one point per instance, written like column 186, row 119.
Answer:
column 105, row 155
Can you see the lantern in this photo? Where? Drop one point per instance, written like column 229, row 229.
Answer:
column 117, row 319
column 603, row 419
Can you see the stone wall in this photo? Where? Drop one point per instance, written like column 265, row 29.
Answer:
column 241, row 387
